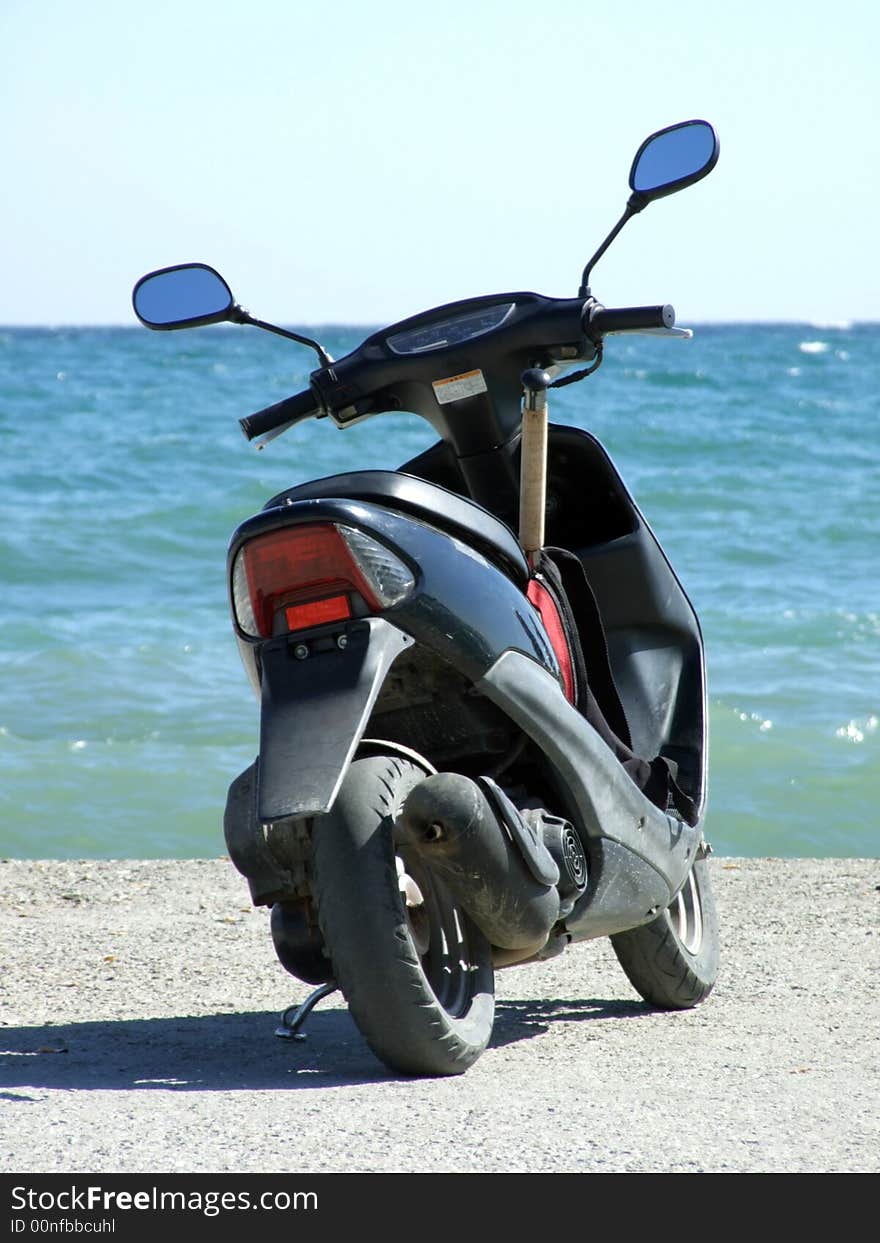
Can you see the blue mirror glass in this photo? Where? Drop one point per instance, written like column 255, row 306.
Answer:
column 674, row 158
column 182, row 297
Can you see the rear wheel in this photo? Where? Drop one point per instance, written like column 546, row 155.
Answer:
column 673, row 962
column 416, row 973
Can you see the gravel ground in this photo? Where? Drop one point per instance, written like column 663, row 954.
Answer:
column 138, row 1004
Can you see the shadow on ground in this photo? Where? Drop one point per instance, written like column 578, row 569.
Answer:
column 235, row 1052
column 521, row 1020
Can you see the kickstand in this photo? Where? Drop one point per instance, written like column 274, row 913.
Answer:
column 294, row 1016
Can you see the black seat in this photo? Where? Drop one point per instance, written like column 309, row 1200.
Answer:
column 429, row 502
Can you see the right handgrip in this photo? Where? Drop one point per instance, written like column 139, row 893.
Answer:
column 600, row 320
column 291, row 410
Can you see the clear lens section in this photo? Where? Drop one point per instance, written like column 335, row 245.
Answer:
column 241, row 596
column 390, row 579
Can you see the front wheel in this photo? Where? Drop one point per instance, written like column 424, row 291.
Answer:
column 673, row 962
column 416, row 973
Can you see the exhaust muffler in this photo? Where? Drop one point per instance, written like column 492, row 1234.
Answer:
column 515, row 874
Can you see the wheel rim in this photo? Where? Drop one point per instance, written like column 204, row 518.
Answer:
column 439, row 933
column 686, row 915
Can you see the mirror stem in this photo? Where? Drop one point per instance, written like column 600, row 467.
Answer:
column 634, row 205
column 240, row 316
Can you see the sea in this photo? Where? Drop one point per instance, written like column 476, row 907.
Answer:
column 753, row 450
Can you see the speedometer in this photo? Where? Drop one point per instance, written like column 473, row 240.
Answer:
column 456, row 330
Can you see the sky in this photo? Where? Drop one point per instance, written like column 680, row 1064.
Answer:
column 359, row 162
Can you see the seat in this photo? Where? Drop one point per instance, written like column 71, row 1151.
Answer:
column 428, row 502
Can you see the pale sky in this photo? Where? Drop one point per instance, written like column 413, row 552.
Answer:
column 359, row 162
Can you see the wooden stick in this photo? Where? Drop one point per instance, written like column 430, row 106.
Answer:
column 533, row 471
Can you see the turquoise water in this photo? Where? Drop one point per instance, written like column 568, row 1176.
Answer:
column 753, row 451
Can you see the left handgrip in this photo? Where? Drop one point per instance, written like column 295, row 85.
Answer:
column 291, row 410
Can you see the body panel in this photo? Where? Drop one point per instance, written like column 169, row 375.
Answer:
column 462, row 607
column 604, row 802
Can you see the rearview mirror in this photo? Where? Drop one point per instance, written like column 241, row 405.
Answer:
column 185, row 296
column 672, row 159
column 667, row 161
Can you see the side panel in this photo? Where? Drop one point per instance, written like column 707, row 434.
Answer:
column 652, row 632
column 609, row 804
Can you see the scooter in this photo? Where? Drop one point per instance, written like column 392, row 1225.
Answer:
column 476, row 748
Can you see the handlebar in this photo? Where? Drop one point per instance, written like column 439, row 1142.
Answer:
column 599, row 320
column 291, row 410
column 596, row 321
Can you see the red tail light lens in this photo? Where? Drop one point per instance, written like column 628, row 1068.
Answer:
column 313, row 574
column 546, row 606
column 318, row 613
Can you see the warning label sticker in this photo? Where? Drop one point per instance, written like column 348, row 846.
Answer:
column 468, row 384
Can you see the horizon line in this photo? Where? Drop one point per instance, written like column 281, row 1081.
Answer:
column 372, row 326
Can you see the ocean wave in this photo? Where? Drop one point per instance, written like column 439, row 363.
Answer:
column 858, row 731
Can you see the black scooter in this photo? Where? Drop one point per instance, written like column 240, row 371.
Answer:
column 475, row 748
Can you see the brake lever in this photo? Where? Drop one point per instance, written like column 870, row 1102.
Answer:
column 267, row 437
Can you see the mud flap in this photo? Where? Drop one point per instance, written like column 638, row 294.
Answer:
column 314, row 712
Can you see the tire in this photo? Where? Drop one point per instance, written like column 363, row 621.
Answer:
column 673, row 962
column 418, row 978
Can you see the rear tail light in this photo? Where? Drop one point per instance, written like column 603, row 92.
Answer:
column 311, row 575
